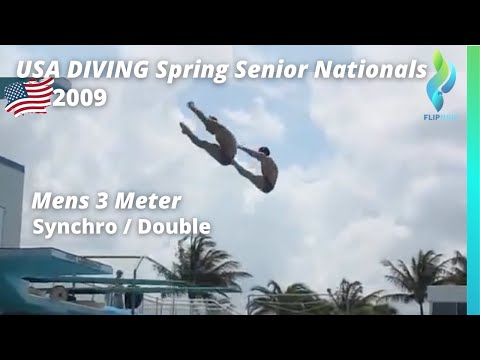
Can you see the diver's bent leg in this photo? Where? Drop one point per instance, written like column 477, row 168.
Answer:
column 199, row 114
column 196, row 141
column 242, row 171
column 213, row 150
column 256, row 180
column 217, row 153
column 193, row 138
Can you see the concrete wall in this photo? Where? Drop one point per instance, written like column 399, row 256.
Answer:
column 447, row 293
column 447, row 300
column 11, row 202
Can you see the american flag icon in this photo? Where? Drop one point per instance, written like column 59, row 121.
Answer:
column 29, row 97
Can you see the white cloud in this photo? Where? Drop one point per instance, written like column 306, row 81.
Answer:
column 397, row 184
column 256, row 123
column 272, row 89
column 405, row 53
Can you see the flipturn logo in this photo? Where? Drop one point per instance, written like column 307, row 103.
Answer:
column 440, row 84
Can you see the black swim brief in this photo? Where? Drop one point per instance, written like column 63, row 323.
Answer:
column 267, row 185
column 224, row 159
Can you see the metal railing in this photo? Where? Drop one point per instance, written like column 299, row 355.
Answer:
column 128, row 257
column 170, row 305
column 182, row 306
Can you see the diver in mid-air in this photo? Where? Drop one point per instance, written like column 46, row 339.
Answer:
column 267, row 181
column 226, row 150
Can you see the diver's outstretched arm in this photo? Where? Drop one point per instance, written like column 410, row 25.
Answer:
column 255, row 154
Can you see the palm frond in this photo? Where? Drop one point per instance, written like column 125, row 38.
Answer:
column 400, row 297
column 276, row 289
column 199, row 262
column 261, row 289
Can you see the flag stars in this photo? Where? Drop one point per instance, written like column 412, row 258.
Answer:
column 27, row 98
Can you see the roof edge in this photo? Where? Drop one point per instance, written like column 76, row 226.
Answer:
column 12, row 164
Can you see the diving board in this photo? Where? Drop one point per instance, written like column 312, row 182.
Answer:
column 102, row 280
column 146, row 290
column 48, row 262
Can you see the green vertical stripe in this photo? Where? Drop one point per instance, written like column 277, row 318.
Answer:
column 473, row 177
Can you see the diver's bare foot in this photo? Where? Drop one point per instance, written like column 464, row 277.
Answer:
column 191, row 105
column 185, row 129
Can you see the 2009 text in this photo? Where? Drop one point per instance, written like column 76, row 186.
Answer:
column 84, row 97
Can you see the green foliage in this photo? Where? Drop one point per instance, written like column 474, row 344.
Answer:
column 426, row 269
column 199, row 262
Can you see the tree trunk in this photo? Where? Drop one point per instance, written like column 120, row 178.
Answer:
column 421, row 309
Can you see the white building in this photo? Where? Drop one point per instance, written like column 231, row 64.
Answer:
column 447, row 300
column 11, row 202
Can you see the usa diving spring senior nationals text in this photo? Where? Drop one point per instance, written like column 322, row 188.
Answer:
column 170, row 72
column 219, row 73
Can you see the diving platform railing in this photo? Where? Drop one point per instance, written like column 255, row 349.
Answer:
column 52, row 281
column 181, row 306
column 164, row 305
column 127, row 257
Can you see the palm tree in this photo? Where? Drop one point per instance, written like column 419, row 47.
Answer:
column 225, row 306
column 297, row 299
column 425, row 269
column 381, row 309
column 348, row 299
column 200, row 263
column 458, row 274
